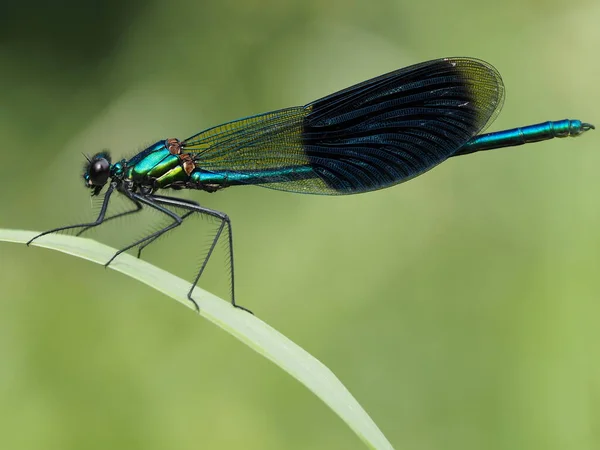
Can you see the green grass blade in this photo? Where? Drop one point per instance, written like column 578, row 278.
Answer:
column 247, row 328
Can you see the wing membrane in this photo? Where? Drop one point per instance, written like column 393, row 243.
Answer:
column 370, row 136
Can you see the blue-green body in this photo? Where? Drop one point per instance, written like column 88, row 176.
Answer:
column 157, row 167
column 371, row 136
column 525, row 135
column 201, row 177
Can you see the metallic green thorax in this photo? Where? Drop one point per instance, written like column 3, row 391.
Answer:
column 159, row 168
column 156, row 166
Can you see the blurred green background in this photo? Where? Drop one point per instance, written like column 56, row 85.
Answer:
column 460, row 308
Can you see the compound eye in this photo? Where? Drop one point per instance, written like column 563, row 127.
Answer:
column 99, row 172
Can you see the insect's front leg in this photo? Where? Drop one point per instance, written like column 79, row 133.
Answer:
column 99, row 220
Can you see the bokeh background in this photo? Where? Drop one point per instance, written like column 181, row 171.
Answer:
column 461, row 309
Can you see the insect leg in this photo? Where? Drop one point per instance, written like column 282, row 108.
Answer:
column 225, row 223
column 97, row 222
column 138, row 208
column 183, row 217
column 147, row 200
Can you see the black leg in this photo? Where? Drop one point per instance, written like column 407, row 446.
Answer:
column 177, row 220
column 156, row 202
column 138, row 208
column 97, row 222
column 150, row 241
column 157, row 198
column 225, row 223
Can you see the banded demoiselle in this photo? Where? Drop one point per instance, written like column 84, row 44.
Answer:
column 370, row 136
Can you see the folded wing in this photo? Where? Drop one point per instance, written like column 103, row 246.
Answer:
column 370, row 136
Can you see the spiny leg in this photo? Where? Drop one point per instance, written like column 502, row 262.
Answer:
column 177, row 220
column 183, row 217
column 225, row 222
column 100, row 219
column 138, row 208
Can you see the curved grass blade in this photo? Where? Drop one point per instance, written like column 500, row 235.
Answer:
column 247, row 328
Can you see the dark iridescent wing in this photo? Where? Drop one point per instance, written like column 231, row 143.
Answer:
column 370, row 136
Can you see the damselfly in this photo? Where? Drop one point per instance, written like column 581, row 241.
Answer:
column 370, row 136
